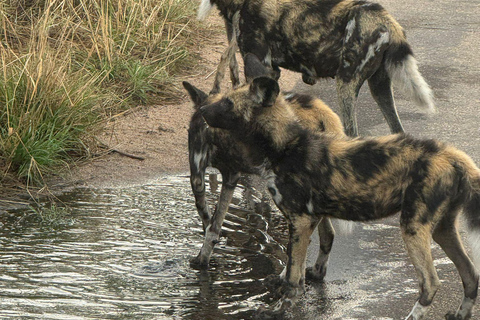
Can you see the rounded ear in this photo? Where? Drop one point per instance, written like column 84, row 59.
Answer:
column 264, row 91
column 197, row 95
column 253, row 68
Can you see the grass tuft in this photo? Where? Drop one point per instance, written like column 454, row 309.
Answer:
column 65, row 65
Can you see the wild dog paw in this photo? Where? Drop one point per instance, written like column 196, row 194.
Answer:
column 198, row 263
column 316, row 273
column 290, row 291
column 453, row 316
column 273, row 283
column 277, row 311
column 308, row 79
column 266, row 313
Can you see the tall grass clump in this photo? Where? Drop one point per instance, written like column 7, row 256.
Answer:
column 66, row 65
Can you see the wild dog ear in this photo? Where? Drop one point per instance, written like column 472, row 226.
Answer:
column 197, row 95
column 253, row 68
column 264, row 91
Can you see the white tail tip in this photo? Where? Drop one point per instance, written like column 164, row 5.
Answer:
column 204, row 9
column 406, row 76
column 474, row 240
column 345, row 227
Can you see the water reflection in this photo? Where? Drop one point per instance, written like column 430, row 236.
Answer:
column 126, row 256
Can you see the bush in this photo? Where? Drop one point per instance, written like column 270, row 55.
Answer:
column 67, row 64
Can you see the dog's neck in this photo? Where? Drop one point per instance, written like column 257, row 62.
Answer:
column 277, row 129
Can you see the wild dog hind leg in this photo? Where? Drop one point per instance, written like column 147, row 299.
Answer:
column 232, row 34
column 212, row 232
column 446, row 235
column 347, row 96
column 326, row 234
column 417, row 236
column 381, row 88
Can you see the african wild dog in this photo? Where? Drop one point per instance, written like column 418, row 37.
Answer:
column 316, row 175
column 352, row 40
column 218, row 148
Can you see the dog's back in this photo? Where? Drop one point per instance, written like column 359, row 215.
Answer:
column 314, row 114
column 220, row 149
column 351, row 40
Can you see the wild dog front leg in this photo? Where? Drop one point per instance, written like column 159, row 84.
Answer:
column 198, row 163
column 326, row 234
column 232, row 34
column 300, row 229
column 212, row 232
column 347, row 96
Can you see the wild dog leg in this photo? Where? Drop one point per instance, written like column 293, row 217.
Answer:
column 417, row 240
column 446, row 235
column 212, row 232
column 381, row 89
column 300, row 229
column 326, row 234
column 232, row 28
column 347, row 95
column 198, row 164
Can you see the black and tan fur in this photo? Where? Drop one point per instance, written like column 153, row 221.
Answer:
column 218, row 148
column 352, row 40
column 312, row 176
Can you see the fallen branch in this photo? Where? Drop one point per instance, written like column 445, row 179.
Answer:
column 111, row 150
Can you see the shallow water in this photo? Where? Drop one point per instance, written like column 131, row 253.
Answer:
column 125, row 255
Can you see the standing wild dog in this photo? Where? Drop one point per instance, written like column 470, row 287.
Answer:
column 312, row 176
column 354, row 41
column 220, row 149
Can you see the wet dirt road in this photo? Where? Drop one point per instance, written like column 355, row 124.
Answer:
column 369, row 276
column 126, row 254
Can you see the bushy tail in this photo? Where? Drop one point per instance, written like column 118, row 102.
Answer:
column 403, row 70
column 204, row 9
column 471, row 212
column 345, row 227
column 472, row 215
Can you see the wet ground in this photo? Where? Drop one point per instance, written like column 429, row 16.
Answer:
column 124, row 254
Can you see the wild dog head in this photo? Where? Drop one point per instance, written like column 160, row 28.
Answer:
column 239, row 106
column 253, row 69
column 258, row 107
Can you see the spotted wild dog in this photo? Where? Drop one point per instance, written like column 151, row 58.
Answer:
column 351, row 40
column 314, row 175
column 220, row 149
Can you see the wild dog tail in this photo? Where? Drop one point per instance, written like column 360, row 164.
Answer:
column 403, row 70
column 472, row 214
column 472, row 209
column 204, row 9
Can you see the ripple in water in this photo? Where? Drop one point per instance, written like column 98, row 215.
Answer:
column 126, row 256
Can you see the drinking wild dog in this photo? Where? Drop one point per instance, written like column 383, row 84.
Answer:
column 219, row 148
column 314, row 175
column 351, row 40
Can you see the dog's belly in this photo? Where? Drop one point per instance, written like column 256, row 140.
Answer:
column 321, row 65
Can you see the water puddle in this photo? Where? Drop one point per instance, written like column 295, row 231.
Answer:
column 124, row 254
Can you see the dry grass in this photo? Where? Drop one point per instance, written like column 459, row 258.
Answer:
column 66, row 65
